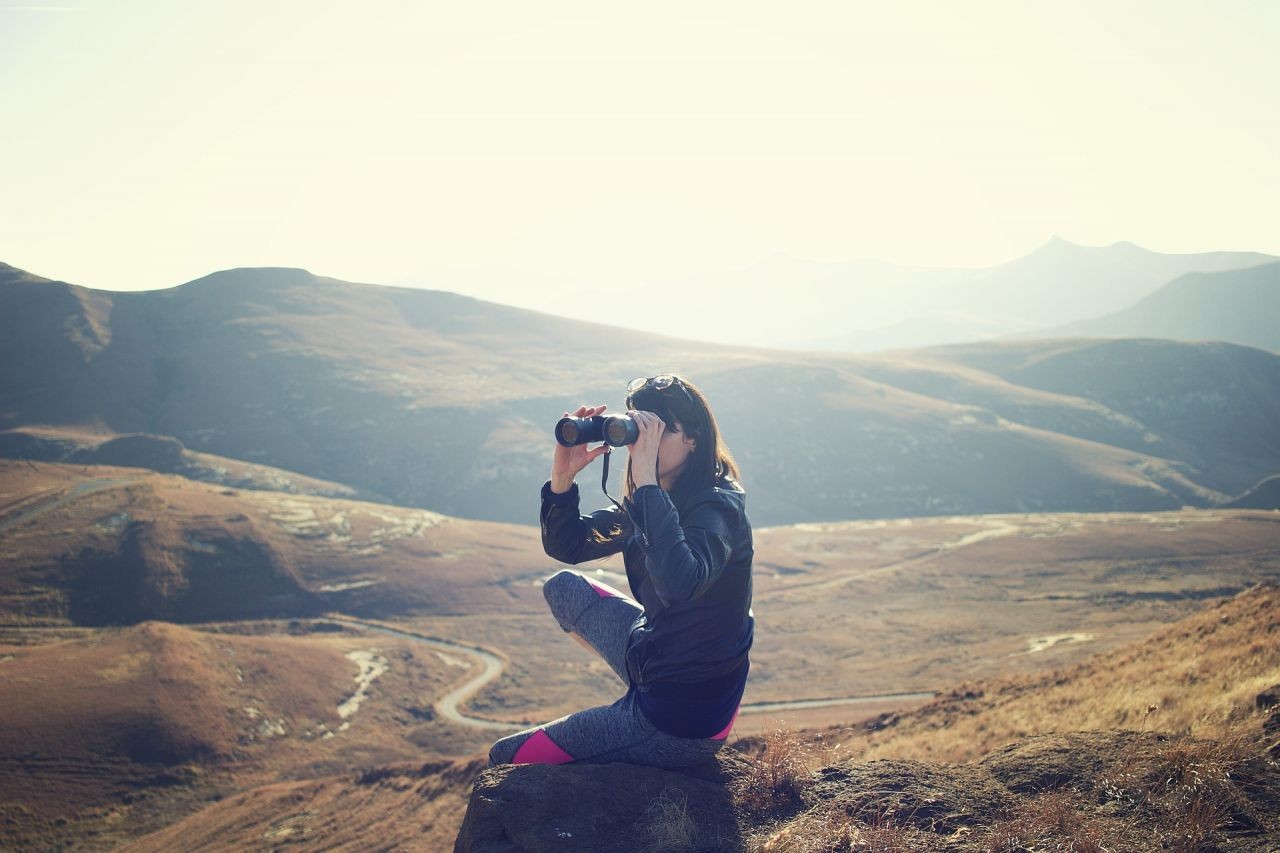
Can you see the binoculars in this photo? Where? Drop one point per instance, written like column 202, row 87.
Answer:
column 614, row 430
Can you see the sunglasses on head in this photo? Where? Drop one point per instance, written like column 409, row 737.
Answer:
column 660, row 383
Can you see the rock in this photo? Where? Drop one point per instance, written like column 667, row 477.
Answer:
column 596, row 807
column 135, row 450
column 1142, row 770
column 1077, row 760
column 1268, row 698
column 933, row 797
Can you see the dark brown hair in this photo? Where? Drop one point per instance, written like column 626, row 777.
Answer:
column 710, row 462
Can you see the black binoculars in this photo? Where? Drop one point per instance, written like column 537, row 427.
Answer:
column 614, row 430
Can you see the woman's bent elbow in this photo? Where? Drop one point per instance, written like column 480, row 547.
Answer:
column 559, row 556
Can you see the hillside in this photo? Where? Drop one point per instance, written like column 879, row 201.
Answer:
column 161, row 453
column 428, row 399
column 111, row 733
column 1167, row 399
column 403, row 807
column 138, row 722
column 100, row 545
column 1264, row 495
column 1239, row 306
column 1095, row 779
column 1197, row 676
column 96, row 545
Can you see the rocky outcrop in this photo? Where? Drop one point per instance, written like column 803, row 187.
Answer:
column 1127, row 788
column 595, row 807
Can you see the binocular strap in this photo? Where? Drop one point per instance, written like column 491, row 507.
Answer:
column 604, row 481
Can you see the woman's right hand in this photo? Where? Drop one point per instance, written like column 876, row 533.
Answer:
column 570, row 460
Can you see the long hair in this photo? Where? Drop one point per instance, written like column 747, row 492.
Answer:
column 710, row 463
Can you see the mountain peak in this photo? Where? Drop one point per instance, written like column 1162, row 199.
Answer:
column 256, row 276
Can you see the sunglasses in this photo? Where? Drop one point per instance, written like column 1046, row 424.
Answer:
column 661, row 382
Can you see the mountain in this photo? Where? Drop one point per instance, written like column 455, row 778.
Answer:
column 867, row 306
column 1169, row 399
column 1241, row 306
column 856, row 306
column 429, row 399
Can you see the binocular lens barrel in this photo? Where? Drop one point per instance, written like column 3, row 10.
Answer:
column 615, row 430
column 571, row 431
column 620, row 430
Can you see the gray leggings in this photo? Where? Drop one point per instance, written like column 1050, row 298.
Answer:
column 615, row 732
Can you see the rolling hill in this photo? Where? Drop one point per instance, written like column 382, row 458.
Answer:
column 429, row 399
column 1241, row 306
column 99, row 545
column 1202, row 673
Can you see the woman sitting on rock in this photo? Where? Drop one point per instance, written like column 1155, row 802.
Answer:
column 681, row 644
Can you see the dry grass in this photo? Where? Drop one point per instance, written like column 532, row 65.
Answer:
column 666, row 824
column 1189, row 790
column 1053, row 820
column 781, row 763
column 828, row 828
column 1178, row 796
column 1175, row 794
column 1201, row 674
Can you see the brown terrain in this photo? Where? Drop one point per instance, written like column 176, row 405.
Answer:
column 124, row 729
column 269, row 575
column 1068, row 760
column 947, row 601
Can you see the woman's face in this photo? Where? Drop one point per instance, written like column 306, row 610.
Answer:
column 673, row 452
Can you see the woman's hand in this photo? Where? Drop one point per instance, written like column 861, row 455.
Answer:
column 644, row 451
column 570, row 460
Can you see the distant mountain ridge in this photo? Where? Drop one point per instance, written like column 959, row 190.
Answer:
column 1060, row 281
column 1240, row 305
column 446, row 402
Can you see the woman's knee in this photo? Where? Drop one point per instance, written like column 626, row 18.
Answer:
column 560, row 583
column 560, row 589
column 504, row 749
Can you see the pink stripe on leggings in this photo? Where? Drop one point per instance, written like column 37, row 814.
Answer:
column 602, row 589
column 540, row 749
column 724, row 733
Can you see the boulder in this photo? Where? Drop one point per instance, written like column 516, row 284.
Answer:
column 595, row 807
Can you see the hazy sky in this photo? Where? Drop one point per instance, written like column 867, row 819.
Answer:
column 149, row 143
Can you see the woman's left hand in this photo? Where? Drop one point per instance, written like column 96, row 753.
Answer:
column 644, row 451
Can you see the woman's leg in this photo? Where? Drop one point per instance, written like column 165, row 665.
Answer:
column 616, row 732
column 598, row 615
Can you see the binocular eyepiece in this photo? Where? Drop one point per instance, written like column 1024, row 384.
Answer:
column 614, row 430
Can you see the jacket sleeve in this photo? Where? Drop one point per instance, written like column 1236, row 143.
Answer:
column 573, row 538
column 685, row 557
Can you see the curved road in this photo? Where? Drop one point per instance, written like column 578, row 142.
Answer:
column 84, row 487
column 448, row 705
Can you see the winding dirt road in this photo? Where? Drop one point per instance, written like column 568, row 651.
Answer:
column 448, row 704
column 57, row 499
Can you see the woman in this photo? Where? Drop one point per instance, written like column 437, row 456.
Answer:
column 681, row 645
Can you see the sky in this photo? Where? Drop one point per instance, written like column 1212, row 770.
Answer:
column 490, row 145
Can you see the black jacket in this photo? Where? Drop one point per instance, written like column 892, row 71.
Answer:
column 691, row 572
